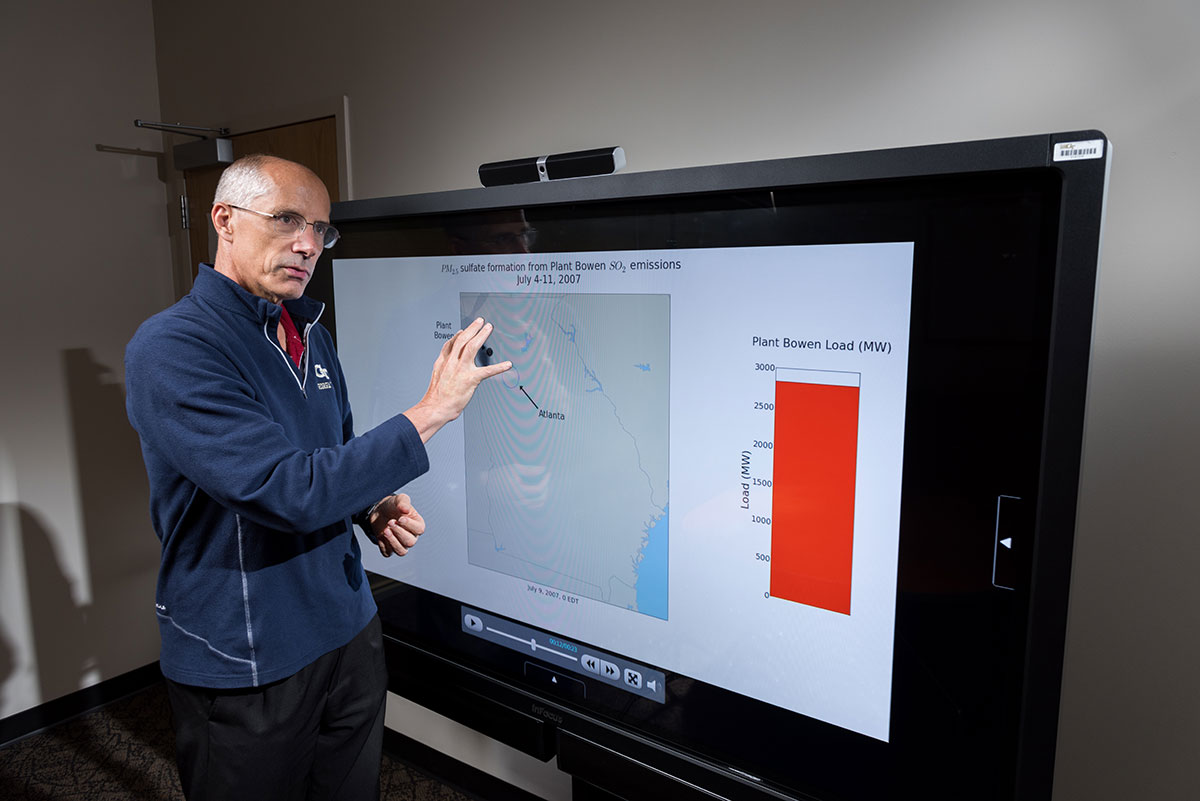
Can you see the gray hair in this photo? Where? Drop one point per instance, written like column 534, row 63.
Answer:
column 245, row 180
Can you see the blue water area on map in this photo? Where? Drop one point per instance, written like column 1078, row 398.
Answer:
column 652, row 569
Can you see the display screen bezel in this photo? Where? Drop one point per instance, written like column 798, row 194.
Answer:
column 928, row 196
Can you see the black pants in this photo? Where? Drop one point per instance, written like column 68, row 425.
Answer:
column 315, row 735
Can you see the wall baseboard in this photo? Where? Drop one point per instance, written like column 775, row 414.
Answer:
column 51, row 713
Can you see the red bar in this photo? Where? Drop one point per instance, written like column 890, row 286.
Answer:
column 812, row 511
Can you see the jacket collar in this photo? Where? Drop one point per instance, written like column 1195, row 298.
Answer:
column 222, row 291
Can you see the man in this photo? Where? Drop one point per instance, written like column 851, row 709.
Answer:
column 270, row 643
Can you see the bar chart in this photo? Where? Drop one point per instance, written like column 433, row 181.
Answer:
column 815, row 463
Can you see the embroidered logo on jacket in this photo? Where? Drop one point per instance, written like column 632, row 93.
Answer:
column 322, row 373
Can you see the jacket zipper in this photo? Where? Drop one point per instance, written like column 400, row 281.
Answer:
column 288, row 359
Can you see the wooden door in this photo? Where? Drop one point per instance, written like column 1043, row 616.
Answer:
column 312, row 143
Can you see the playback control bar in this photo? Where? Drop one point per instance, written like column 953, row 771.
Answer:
column 564, row 656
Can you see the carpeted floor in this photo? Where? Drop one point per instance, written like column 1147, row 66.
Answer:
column 126, row 751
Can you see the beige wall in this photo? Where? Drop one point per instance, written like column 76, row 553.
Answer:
column 85, row 260
column 437, row 88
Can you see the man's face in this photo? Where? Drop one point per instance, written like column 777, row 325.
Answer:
column 269, row 264
column 498, row 236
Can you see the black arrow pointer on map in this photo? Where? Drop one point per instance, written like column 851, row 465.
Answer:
column 522, row 388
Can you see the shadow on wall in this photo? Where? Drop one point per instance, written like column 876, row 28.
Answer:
column 77, row 643
column 60, row 647
column 122, row 551
column 8, row 662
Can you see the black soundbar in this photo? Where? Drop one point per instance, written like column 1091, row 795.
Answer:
column 578, row 164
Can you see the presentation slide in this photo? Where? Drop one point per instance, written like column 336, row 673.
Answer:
column 695, row 462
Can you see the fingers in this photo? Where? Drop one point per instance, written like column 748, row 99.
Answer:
column 473, row 337
column 396, row 539
column 408, row 517
column 464, row 342
column 401, row 532
column 476, row 334
column 494, row 369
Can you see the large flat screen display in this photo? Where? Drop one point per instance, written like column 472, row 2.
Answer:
column 764, row 487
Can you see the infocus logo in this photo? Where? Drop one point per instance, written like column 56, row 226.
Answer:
column 543, row 712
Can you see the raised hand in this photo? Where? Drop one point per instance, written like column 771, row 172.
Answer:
column 454, row 380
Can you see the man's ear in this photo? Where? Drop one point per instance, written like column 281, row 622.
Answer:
column 222, row 220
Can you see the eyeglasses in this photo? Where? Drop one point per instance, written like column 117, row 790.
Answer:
column 289, row 224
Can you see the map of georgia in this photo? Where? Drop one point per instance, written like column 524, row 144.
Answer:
column 581, row 420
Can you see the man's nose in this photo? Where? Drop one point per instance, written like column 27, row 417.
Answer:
column 308, row 242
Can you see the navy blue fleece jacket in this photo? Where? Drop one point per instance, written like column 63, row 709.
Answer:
column 255, row 474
